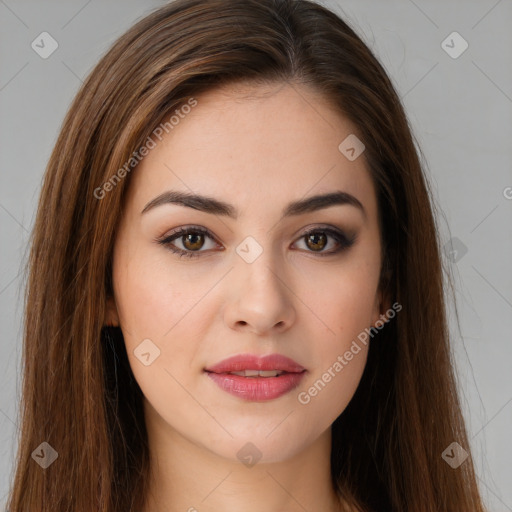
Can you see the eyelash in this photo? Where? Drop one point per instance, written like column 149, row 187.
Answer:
column 344, row 241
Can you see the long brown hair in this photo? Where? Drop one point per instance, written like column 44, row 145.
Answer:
column 79, row 394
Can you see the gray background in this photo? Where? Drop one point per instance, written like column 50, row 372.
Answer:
column 460, row 110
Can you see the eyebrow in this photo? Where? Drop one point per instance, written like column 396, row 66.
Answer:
column 216, row 207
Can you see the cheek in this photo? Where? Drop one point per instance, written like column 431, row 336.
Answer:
column 343, row 302
column 155, row 304
column 153, row 296
column 329, row 390
column 342, row 298
column 338, row 353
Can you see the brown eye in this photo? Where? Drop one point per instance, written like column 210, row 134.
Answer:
column 316, row 241
column 193, row 241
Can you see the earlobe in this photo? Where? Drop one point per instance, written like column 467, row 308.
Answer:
column 111, row 315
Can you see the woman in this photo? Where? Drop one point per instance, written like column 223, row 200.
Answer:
column 235, row 297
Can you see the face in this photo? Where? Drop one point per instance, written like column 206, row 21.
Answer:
column 246, row 275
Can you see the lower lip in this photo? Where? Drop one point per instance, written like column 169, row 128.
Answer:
column 257, row 389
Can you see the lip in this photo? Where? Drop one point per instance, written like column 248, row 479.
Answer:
column 256, row 389
column 252, row 362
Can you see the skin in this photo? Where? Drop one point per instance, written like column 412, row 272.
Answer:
column 258, row 148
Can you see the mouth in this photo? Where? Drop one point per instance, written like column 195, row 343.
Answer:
column 258, row 373
column 256, row 378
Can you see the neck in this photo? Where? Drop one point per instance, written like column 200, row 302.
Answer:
column 186, row 477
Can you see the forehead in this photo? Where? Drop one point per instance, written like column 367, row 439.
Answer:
column 254, row 146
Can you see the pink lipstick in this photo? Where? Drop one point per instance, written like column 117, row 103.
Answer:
column 257, row 378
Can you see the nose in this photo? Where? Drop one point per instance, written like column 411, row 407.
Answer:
column 261, row 298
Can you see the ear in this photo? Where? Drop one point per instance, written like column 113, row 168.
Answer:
column 383, row 297
column 111, row 314
column 382, row 304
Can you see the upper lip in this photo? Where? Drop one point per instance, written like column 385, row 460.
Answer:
column 242, row 362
